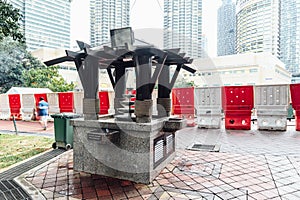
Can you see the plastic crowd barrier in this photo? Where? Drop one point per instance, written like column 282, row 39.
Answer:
column 183, row 104
column 237, row 105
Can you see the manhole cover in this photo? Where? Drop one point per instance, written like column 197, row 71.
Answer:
column 204, row 147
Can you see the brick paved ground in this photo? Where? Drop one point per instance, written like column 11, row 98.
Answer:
column 250, row 165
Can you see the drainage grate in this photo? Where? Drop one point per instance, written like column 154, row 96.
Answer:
column 26, row 166
column 10, row 190
column 204, row 147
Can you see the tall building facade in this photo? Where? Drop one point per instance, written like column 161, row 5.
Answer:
column 290, row 35
column 106, row 15
column 45, row 23
column 183, row 26
column 226, row 29
column 258, row 25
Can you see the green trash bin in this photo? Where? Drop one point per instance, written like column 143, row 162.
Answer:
column 63, row 130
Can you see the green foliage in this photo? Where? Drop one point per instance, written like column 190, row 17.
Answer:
column 13, row 60
column 183, row 84
column 9, row 22
column 18, row 68
column 46, row 77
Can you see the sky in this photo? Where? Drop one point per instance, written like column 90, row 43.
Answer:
column 145, row 15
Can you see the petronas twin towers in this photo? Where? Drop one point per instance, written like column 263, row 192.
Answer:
column 182, row 22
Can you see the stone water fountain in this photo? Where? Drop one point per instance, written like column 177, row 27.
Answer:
column 130, row 144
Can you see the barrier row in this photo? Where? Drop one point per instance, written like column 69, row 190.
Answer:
column 237, row 104
column 25, row 106
column 209, row 104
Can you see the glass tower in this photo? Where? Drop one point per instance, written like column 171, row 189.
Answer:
column 45, row 23
column 183, row 26
column 226, row 29
column 258, row 26
column 106, row 15
column 290, row 35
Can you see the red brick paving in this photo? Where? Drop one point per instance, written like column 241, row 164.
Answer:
column 26, row 126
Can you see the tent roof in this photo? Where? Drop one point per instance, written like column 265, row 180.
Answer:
column 27, row 90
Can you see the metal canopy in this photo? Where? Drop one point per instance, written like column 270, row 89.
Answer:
column 121, row 55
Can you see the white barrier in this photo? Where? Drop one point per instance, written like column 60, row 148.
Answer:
column 208, row 107
column 4, row 107
column 27, row 106
column 271, row 103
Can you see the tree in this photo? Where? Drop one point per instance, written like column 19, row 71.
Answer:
column 14, row 59
column 9, row 22
column 46, row 77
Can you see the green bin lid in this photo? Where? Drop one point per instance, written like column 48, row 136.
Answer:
column 66, row 115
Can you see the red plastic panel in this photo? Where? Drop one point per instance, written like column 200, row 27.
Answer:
column 238, row 120
column 14, row 100
column 66, row 101
column 104, row 102
column 237, row 97
column 38, row 96
column 133, row 92
column 295, row 95
column 15, row 106
column 37, row 99
column 183, row 101
column 297, row 121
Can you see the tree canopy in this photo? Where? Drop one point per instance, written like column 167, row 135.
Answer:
column 14, row 59
column 18, row 68
column 46, row 77
column 9, row 22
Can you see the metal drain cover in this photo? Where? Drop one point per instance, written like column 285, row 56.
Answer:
column 204, row 147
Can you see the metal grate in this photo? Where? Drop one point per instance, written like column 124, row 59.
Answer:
column 204, row 147
column 159, row 150
column 163, row 146
column 10, row 190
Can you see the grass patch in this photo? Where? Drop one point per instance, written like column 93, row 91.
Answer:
column 16, row 148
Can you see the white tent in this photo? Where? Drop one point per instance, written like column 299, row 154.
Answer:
column 27, row 90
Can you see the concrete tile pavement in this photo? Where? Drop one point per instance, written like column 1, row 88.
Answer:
column 250, row 165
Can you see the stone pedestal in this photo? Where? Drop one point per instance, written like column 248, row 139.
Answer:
column 122, row 149
column 90, row 108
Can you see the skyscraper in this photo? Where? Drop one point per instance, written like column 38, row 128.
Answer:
column 290, row 35
column 106, row 15
column 183, row 26
column 226, row 29
column 258, row 26
column 45, row 23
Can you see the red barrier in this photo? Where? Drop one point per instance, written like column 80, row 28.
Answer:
column 15, row 106
column 297, row 121
column 295, row 95
column 237, row 103
column 183, row 104
column 66, row 101
column 104, row 102
column 237, row 97
column 238, row 120
column 37, row 99
column 132, row 99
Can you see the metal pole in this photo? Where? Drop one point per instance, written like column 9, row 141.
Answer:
column 15, row 125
